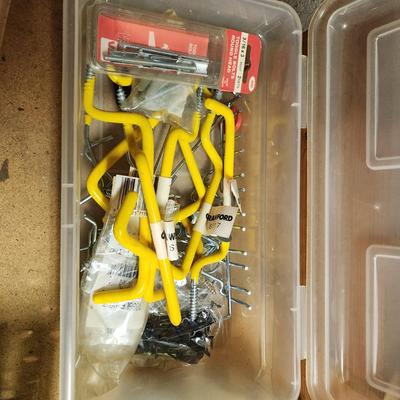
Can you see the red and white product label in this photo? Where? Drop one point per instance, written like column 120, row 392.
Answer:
column 241, row 62
column 111, row 30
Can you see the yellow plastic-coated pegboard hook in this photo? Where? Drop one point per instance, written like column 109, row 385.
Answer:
column 144, row 286
column 100, row 169
column 120, row 79
column 118, row 117
column 144, row 228
column 132, row 133
column 156, row 227
column 229, row 148
column 202, row 262
column 125, row 81
column 112, row 157
column 164, row 265
column 160, row 256
column 122, row 236
column 206, row 91
column 137, row 248
column 229, row 154
column 189, row 229
column 183, row 139
column 199, row 226
column 127, row 120
column 98, row 196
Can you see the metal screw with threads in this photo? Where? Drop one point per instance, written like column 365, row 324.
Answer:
column 120, row 95
column 193, row 300
column 193, row 284
column 199, row 99
column 89, row 72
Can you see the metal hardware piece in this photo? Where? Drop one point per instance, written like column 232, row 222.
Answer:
column 193, row 300
column 150, row 57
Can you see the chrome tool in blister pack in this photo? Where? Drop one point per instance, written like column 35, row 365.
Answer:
column 143, row 56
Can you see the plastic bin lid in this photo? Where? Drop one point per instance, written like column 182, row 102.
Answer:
column 354, row 193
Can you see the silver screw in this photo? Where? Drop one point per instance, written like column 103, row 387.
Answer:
column 89, row 72
column 120, row 95
column 193, row 300
column 199, row 99
column 218, row 95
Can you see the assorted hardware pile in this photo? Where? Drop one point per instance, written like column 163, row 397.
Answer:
column 201, row 257
column 158, row 265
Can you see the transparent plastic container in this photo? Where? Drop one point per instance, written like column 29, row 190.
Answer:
column 354, row 191
column 352, row 330
column 258, row 353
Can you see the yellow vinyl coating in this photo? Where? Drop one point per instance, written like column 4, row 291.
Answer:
column 137, row 248
column 100, row 169
column 121, row 80
column 153, row 212
column 229, row 150
column 221, row 109
column 184, row 139
column 119, row 117
column 211, row 259
column 210, row 193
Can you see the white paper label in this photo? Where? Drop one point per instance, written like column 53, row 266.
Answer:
column 162, row 193
column 170, row 240
column 157, row 233
column 220, row 221
column 235, row 192
column 241, row 61
column 123, row 184
column 231, row 187
column 200, row 225
column 227, row 195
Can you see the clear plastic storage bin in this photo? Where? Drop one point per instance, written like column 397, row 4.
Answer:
column 352, row 329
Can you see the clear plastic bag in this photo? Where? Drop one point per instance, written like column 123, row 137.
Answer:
column 172, row 103
column 109, row 333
